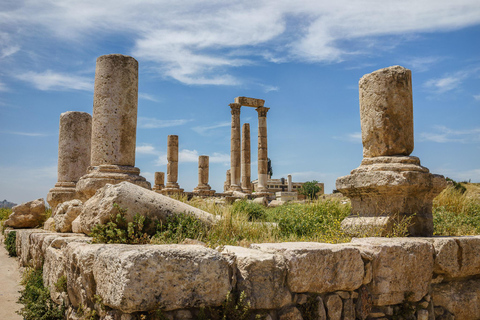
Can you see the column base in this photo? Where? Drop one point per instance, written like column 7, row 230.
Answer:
column 235, row 187
column 99, row 176
column 158, row 187
column 203, row 190
column 63, row 191
column 170, row 191
column 387, row 190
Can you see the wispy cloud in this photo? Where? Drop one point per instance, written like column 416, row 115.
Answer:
column 186, row 155
column 146, row 96
column 3, row 87
column 27, row 134
column 421, row 64
column 200, row 42
column 145, row 149
column 443, row 134
column 477, row 97
column 451, row 81
column 152, row 123
column 206, row 129
column 54, row 81
column 355, row 137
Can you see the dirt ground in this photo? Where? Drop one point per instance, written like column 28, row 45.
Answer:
column 9, row 285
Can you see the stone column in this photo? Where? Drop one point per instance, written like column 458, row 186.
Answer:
column 289, row 182
column 172, row 166
column 262, row 150
column 203, row 187
column 246, row 167
column 159, row 181
column 74, row 138
column 389, row 185
column 226, row 185
column 114, row 125
column 235, row 184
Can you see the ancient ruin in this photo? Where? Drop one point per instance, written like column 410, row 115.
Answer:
column 389, row 184
column 246, row 166
column 114, row 126
column 172, row 186
column 228, row 180
column 74, row 136
column 203, row 188
column 159, row 181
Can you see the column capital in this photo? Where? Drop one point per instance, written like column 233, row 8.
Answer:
column 235, row 108
column 262, row 111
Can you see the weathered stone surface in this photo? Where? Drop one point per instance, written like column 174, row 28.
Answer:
column 133, row 199
column 74, row 138
column 262, row 150
column 291, row 313
column 334, row 307
column 203, row 188
column 249, row 102
column 318, row 267
column 172, row 166
column 148, row 277
column 457, row 257
column 49, row 225
column 235, row 148
column 262, row 276
column 65, row 213
column 321, row 313
column 401, row 267
column 159, row 181
column 246, row 159
column 348, row 310
column 461, row 298
column 386, row 112
column 27, row 215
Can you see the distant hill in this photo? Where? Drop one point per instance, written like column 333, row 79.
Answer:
column 6, row 204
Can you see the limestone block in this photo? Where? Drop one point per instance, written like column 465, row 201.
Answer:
column 461, row 298
column 262, row 276
column 134, row 199
column 348, row 310
column 321, row 313
column 318, row 267
column 334, row 306
column 27, row 215
column 386, row 112
column 456, row 257
column 49, row 225
column 291, row 313
column 22, row 245
column 249, row 102
column 276, row 203
column 400, row 266
column 65, row 213
column 148, row 277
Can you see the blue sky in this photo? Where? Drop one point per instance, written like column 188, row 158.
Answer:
column 303, row 57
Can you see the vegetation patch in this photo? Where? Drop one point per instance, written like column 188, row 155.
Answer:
column 10, row 243
column 177, row 228
column 36, row 298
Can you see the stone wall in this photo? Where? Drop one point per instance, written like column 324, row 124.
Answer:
column 369, row 278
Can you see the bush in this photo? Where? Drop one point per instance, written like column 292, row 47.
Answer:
column 458, row 186
column 10, row 243
column 310, row 189
column 118, row 230
column 36, row 298
column 4, row 214
column 254, row 211
column 179, row 227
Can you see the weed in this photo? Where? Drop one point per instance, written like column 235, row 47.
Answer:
column 179, row 227
column 36, row 298
column 309, row 310
column 10, row 243
column 235, row 307
column 4, row 214
column 61, row 284
column 254, row 211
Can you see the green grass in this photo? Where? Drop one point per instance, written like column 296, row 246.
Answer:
column 4, row 213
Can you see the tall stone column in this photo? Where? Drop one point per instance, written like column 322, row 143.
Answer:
column 390, row 185
column 262, row 150
column 203, row 187
column 74, row 138
column 228, row 179
column 159, row 181
column 246, row 159
column 235, row 168
column 289, row 182
column 114, row 126
column 172, row 167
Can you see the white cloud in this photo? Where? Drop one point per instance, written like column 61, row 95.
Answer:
column 206, row 129
column 477, row 97
column 146, row 149
column 146, row 96
column 3, row 87
column 50, row 80
column 27, row 134
column 186, row 155
column 421, row 64
column 443, row 134
column 355, row 137
column 152, row 123
column 199, row 42
column 450, row 81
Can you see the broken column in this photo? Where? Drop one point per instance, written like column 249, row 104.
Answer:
column 262, row 186
column 289, row 183
column 74, row 138
column 226, row 184
column 172, row 186
column 114, row 126
column 159, row 181
column 203, row 188
column 246, row 167
column 235, row 183
column 390, row 185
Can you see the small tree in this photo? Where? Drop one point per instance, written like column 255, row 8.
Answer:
column 269, row 170
column 310, row 189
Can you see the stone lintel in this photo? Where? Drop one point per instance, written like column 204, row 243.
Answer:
column 250, row 102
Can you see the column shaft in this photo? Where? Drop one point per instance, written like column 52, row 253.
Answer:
column 172, row 158
column 235, row 150
column 246, row 159
column 262, row 149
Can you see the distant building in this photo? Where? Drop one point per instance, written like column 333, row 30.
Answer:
column 6, row 204
column 278, row 185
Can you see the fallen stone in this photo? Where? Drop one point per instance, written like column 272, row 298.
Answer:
column 27, row 215
column 133, row 200
column 49, row 225
column 318, row 267
column 65, row 213
column 460, row 298
column 402, row 268
column 262, row 276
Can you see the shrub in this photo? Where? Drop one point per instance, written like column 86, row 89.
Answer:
column 118, row 230
column 458, row 186
column 4, row 214
column 254, row 211
column 36, row 298
column 310, row 189
column 179, row 227
column 10, row 243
